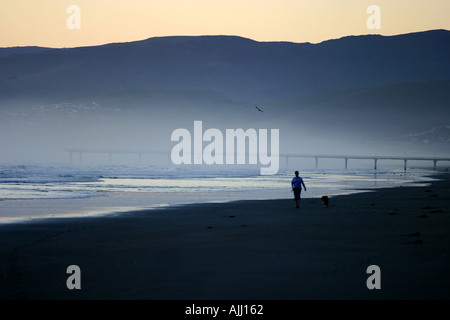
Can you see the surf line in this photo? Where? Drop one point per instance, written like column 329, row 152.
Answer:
column 235, row 147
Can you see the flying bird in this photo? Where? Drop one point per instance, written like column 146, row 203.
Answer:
column 258, row 109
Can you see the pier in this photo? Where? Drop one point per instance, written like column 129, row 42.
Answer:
column 286, row 156
column 375, row 159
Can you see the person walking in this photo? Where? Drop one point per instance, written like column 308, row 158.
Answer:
column 297, row 183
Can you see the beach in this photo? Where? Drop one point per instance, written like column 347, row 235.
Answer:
column 241, row 250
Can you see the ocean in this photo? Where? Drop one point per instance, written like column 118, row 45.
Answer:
column 42, row 191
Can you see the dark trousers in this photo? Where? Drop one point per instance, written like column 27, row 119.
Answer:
column 297, row 192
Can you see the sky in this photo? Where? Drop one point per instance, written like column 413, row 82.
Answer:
column 74, row 23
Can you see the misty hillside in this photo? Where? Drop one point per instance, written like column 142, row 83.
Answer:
column 362, row 94
column 384, row 117
column 433, row 141
column 381, row 110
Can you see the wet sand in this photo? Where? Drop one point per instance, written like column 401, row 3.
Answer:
column 256, row 250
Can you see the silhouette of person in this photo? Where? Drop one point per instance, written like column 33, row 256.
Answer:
column 297, row 183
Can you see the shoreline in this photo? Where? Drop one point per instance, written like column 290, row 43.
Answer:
column 241, row 250
column 116, row 202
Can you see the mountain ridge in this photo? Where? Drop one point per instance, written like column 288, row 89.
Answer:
column 186, row 37
column 238, row 67
column 362, row 94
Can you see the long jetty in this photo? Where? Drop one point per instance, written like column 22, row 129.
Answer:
column 286, row 156
column 375, row 159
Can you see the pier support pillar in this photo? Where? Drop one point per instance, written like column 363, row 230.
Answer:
column 434, row 164
column 317, row 162
column 346, row 162
column 375, row 165
column 405, row 161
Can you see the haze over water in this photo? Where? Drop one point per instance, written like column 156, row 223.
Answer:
column 36, row 191
column 337, row 78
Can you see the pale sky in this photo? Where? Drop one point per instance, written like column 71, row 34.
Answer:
column 48, row 23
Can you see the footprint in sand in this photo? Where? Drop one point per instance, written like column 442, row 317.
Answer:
column 415, row 234
column 393, row 212
column 433, row 209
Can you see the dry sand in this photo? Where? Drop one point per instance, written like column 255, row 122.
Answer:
column 266, row 250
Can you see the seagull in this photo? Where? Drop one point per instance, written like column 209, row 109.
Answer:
column 258, row 109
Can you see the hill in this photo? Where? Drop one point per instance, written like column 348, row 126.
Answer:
column 360, row 94
column 239, row 68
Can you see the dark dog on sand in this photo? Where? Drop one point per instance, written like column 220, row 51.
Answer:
column 325, row 201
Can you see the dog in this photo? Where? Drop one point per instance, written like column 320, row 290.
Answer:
column 325, row 201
